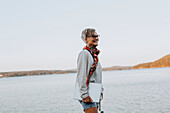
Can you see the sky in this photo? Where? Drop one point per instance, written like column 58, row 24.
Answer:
column 45, row 34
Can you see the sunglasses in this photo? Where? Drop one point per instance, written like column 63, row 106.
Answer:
column 94, row 36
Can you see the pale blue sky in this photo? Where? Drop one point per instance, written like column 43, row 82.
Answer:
column 45, row 34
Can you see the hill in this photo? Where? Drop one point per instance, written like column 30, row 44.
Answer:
column 117, row 68
column 162, row 62
column 34, row 72
column 50, row 72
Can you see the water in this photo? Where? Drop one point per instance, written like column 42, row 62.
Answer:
column 131, row 91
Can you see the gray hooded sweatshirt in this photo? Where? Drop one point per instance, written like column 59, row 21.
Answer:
column 84, row 63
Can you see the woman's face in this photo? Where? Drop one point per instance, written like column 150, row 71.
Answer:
column 92, row 41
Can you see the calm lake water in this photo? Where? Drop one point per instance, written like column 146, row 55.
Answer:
column 131, row 91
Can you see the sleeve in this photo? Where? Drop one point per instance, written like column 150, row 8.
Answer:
column 82, row 69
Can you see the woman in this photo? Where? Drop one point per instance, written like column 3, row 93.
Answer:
column 89, row 69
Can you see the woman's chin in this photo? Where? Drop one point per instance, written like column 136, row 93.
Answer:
column 95, row 45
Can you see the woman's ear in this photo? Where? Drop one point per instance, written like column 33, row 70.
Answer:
column 85, row 40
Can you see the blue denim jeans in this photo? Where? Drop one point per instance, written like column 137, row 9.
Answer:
column 88, row 105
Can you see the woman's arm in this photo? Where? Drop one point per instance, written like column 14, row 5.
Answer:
column 82, row 69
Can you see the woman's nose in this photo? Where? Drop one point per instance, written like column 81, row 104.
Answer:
column 97, row 38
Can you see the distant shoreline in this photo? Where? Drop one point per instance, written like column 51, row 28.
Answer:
column 162, row 62
column 53, row 72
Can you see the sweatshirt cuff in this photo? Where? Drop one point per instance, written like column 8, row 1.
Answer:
column 84, row 96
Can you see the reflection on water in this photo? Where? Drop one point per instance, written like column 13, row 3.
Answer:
column 130, row 91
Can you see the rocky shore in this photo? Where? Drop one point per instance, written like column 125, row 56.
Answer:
column 34, row 73
column 53, row 72
column 162, row 62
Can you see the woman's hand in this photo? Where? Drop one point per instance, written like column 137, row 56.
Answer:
column 87, row 100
